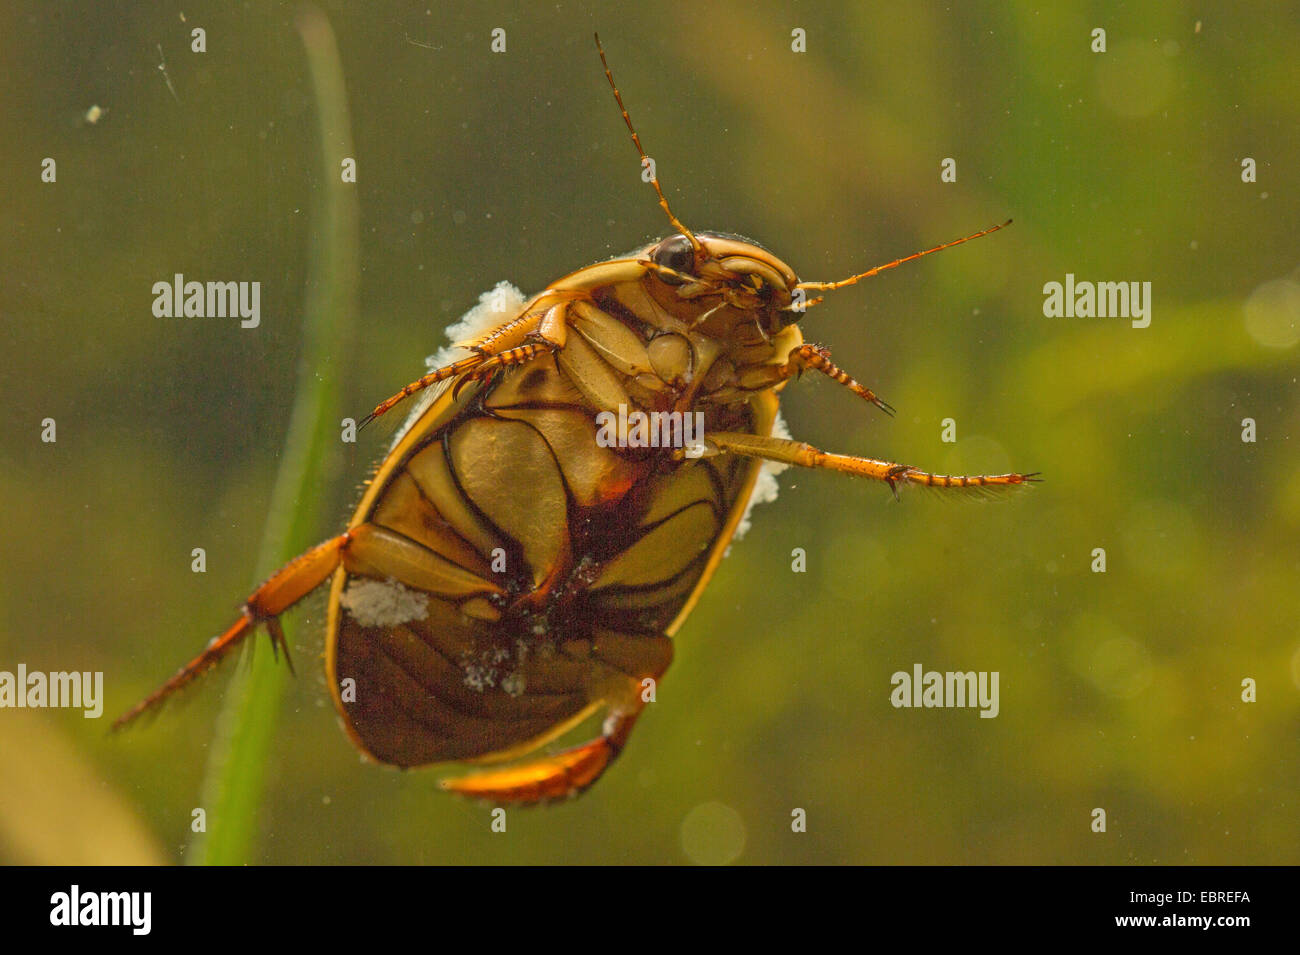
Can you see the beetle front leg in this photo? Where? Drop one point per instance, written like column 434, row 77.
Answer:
column 888, row 472
column 818, row 358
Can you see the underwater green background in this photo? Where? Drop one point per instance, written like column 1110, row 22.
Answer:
column 1120, row 690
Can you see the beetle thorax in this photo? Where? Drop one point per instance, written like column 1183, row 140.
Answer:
column 706, row 327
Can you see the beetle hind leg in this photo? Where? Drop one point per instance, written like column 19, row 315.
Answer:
column 285, row 588
column 560, row 776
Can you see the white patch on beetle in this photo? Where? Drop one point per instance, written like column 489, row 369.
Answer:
column 494, row 666
column 766, row 487
column 383, row 603
column 514, row 684
column 496, row 306
column 479, row 677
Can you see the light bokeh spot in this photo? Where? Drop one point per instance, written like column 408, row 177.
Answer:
column 713, row 834
column 1272, row 313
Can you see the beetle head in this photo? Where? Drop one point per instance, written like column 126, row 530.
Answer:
column 747, row 276
column 743, row 273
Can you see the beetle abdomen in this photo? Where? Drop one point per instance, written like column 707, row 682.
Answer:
column 541, row 574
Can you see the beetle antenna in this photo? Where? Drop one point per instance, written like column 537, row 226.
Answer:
column 646, row 161
column 854, row 279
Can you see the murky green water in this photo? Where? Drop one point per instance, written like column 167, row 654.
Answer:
column 1120, row 690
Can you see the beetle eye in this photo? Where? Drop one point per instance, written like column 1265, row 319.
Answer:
column 675, row 253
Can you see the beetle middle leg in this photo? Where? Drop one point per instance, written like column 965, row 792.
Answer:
column 888, row 472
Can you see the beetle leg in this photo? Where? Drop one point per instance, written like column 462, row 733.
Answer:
column 553, row 328
column 569, row 773
column 805, row 455
column 560, row 776
column 598, row 381
column 501, row 347
column 285, row 588
column 664, row 272
column 819, row 358
column 382, row 554
column 612, row 339
column 507, row 359
column 548, row 336
column 504, row 336
column 432, row 378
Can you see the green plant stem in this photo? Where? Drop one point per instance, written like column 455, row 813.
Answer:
column 237, row 769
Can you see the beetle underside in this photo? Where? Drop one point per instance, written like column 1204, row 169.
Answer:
column 511, row 570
